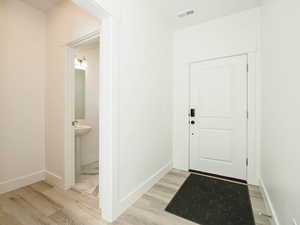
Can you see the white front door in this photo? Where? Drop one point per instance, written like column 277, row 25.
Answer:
column 218, row 123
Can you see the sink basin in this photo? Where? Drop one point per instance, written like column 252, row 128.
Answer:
column 82, row 130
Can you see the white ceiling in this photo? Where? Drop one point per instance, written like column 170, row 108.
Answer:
column 204, row 9
column 43, row 5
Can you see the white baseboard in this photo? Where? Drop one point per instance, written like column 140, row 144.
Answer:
column 269, row 203
column 19, row 182
column 54, row 180
column 133, row 196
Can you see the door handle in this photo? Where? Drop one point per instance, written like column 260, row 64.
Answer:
column 75, row 123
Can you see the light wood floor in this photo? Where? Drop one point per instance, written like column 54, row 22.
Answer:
column 42, row 204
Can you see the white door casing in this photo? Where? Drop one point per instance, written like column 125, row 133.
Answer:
column 218, row 137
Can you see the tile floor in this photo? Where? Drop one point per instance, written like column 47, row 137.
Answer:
column 88, row 181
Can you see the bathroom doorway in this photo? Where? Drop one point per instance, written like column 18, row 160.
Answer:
column 86, row 123
column 107, row 32
column 83, row 108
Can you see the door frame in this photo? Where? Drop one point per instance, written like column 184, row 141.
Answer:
column 70, row 104
column 108, row 107
column 247, row 99
column 254, row 108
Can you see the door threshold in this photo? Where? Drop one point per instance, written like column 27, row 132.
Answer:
column 231, row 179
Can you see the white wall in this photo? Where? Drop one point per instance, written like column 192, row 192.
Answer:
column 65, row 22
column 22, row 85
column 90, row 142
column 145, row 96
column 226, row 36
column 280, row 161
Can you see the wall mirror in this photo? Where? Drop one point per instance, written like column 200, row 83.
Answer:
column 80, row 76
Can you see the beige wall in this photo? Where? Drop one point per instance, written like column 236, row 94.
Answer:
column 65, row 22
column 90, row 142
column 22, row 85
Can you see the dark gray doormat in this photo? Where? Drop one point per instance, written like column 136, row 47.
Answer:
column 209, row 201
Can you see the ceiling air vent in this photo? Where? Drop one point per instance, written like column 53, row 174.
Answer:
column 185, row 13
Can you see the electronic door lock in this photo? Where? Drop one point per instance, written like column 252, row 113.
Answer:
column 193, row 112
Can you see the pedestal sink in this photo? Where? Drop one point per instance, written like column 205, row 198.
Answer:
column 80, row 130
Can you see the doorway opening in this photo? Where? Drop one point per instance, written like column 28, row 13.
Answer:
column 83, row 102
column 108, row 106
column 86, row 118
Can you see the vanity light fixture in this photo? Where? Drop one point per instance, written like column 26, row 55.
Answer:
column 81, row 63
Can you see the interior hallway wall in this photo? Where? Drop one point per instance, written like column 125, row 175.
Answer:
column 280, row 161
column 65, row 22
column 145, row 97
column 90, row 142
column 22, row 86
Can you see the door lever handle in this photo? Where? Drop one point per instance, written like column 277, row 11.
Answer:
column 75, row 123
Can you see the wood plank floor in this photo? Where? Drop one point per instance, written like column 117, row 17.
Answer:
column 42, row 204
